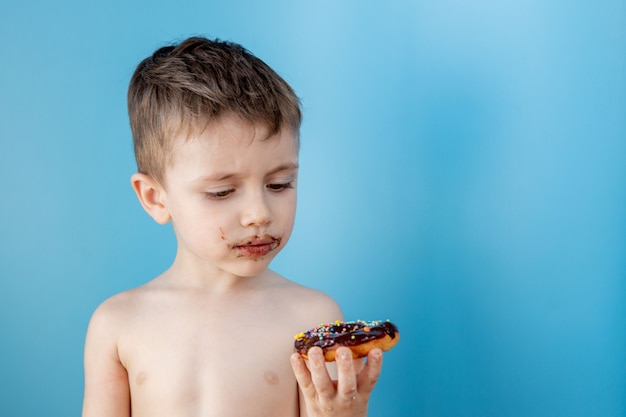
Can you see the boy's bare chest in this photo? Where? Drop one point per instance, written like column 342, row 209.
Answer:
column 196, row 357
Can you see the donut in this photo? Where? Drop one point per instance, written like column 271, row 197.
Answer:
column 360, row 336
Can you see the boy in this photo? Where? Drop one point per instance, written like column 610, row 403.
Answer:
column 216, row 141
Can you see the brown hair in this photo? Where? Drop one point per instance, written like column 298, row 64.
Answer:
column 189, row 85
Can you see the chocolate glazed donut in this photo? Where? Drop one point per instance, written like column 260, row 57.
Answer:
column 360, row 336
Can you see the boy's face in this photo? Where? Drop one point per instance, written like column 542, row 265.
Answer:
column 231, row 196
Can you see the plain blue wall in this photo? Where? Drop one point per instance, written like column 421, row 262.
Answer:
column 463, row 174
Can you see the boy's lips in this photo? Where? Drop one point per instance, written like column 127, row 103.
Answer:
column 257, row 247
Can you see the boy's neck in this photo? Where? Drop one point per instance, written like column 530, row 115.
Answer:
column 208, row 278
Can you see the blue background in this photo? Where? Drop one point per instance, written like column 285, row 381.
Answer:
column 463, row 174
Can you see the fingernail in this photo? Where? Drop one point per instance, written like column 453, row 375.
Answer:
column 316, row 358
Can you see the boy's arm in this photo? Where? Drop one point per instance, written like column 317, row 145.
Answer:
column 107, row 392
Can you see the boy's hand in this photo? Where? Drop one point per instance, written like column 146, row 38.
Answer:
column 346, row 397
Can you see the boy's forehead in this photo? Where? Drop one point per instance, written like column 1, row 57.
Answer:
column 231, row 141
column 233, row 129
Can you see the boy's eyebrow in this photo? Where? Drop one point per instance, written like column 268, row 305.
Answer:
column 222, row 176
column 284, row 167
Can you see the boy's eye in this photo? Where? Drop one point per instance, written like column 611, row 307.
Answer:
column 219, row 195
column 280, row 186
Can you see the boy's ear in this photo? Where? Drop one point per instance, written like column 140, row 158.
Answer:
column 150, row 195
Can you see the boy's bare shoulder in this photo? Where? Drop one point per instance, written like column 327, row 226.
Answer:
column 118, row 309
column 306, row 301
column 119, row 303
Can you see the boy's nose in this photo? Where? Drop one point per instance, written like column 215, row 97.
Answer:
column 256, row 212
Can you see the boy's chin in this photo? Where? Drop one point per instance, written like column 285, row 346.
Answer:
column 253, row 267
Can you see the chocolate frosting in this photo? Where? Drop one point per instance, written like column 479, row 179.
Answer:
column 344, row 333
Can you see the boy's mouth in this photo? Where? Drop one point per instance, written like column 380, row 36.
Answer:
column 257, row 247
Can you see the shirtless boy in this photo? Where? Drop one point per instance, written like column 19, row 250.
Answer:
column 216, row 142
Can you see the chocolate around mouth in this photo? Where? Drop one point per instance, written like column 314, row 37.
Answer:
column 257, row 241
column 257, row 248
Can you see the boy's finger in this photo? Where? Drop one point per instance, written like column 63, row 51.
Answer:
column 369, row 375
column 359, row 364
column 302, row 375
column 319, row 374
column 347, row 382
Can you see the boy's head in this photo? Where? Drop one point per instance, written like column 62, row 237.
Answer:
column 185, row 87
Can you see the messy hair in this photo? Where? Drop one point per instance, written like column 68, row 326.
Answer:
column 184, row 86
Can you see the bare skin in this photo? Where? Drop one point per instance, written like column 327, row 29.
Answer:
column 213, row 335
column 199, row 353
